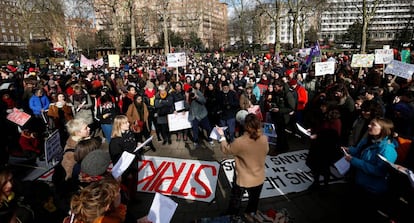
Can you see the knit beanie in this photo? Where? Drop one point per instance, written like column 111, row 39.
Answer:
column 96, row 163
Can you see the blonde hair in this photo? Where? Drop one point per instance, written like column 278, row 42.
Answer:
column 75, row 125
column 94, row 200
column 116, row 127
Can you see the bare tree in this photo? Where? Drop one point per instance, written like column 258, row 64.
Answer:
column 38, row 18
column 301, row 11
column 368, row 9
column 275, row 12
column 241, row 15
column 115, row 16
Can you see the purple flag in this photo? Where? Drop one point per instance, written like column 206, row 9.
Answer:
column 315, row 52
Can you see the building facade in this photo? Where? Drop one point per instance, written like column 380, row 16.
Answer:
column 11, row 32
column 391, row 17
column 206, row 18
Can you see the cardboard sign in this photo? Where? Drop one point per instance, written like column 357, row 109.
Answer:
column 178, row 121
column 18, row 117
column 384, row 56
column 113, row 60
column 362, row 60
column 176, row 60
column 53, row 148
column 400, row 69
column 285, row 173
column 189, row 179
column 322, row 68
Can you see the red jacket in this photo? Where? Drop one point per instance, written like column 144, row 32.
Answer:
column 302, row 97
column 28, row 143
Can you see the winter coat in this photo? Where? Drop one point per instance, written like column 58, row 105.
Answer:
column 198, row 108
column 371, row 171
column 38, row 103
column 250, row 157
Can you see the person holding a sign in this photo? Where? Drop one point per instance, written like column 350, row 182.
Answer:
column 164, row 104
column 180, row 105
column 249, row 152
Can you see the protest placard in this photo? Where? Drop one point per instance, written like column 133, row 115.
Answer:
column 322, row 68
column 176, row 60
column 178, row 121
column 18, row 117
column 113, row 60
column 53, row 148
column 400, row 69
column 384, row 56
column 362, row 60
column 189, row 179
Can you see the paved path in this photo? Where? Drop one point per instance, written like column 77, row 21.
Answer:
column 303, row 207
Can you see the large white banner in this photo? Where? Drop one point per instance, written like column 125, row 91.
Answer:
column 176, row 60
column 323, row 68
column 88, row 63
column 384, row 56
column 189, row 179
column 400, row 69
column 285, row 173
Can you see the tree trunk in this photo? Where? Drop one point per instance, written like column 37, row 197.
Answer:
column 364, row 27
column 133, row 41
column 294, row 31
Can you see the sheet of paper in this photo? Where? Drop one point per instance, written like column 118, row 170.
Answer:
column 411, row 177
column 123, row 163
column 5, row 86
column 140, row 146
column 342, row 166
column 162, row 209
column 179, row 105
column 215, row 135
column 303, row 130
column 391, row 164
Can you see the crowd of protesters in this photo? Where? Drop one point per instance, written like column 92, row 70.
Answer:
column 337, row 109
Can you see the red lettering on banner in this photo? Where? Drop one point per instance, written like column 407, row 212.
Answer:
column 202, row 184
column 168, row 175
column 154, row 171
column 161, row 178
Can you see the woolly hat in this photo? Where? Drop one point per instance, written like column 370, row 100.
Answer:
column 95, row 163
column 293, row 82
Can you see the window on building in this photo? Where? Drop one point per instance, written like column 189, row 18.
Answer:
column 4, row 38
column 3, row 30
column 18, row 39
column 10, row 31
column 12, row 38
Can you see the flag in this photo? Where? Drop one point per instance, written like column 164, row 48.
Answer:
column 315, row 52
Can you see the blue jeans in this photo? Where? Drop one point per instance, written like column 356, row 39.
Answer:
column 231, row 124
column 107, row 131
